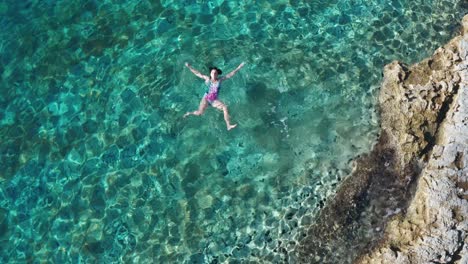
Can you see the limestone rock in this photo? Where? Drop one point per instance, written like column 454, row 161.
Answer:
column 433, row 109
column 407, row 200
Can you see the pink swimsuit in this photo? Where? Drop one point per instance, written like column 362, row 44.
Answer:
column 212, row 93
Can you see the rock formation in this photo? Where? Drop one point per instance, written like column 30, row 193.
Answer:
column 425, row 110
column 407, row 200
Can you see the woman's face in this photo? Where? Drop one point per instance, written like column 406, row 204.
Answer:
column 214, row 74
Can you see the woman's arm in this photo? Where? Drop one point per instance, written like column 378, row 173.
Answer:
column 197, row 73
column 229, row 75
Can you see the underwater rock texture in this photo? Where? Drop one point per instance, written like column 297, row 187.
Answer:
column 406, row 201
column 425, row 110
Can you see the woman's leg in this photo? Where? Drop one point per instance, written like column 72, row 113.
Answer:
column 201, row 108
column 221, row 106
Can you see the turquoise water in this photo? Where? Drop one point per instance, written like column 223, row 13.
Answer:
column 98, row 165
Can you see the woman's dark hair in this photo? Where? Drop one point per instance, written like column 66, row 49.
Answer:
column 217, row 70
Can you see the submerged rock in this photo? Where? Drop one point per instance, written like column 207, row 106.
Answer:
column 407, row 200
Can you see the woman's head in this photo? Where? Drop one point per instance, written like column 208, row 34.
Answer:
column 214, row 72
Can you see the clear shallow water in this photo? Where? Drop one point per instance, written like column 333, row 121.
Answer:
column 98, row 165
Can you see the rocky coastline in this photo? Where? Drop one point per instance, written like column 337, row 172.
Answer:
column 407, row 200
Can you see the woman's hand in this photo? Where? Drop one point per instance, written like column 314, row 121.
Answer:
column 241, row 65
column 187, row 65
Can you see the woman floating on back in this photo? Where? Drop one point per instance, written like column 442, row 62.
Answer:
column 211, row 95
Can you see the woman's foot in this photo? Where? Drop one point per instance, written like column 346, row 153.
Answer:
column 229, row 127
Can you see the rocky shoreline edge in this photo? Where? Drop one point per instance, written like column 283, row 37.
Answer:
column 407, row 200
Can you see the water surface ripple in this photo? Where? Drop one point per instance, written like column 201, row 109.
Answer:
column 98, row 165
